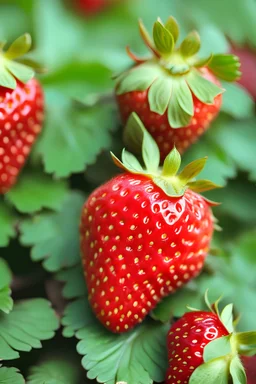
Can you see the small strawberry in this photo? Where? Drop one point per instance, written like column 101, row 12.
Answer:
column 175, row 94
column 144, row 234
column 21, row 111
column 204, row 348
column 92, row 7
column 247, row 57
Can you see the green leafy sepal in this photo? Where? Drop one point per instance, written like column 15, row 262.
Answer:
column 176, row 73
column 166, row 178
column 13, row 66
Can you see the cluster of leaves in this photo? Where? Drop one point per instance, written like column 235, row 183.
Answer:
column 71, row 158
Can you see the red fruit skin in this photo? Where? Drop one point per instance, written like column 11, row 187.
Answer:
column 249, row 363
column 139, row 245
column 158, row 125
column 21, row 117
column 248, row 69
column 186, row 341
column 92, row 7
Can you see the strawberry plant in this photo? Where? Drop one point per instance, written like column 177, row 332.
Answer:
column 103, row 248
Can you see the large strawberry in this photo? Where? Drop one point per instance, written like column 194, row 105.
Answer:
column 175, row 93
column 203, row 347
column 21, row 111
column 144, row 234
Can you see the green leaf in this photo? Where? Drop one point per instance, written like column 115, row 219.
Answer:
column 246, row 338
column 7, row 224
column 6, row 302
column 75, row 316
column 171, row 163
column 173, row 27
column 6, row 78
column 54, row 237
column 138, row 78
column 226, row 67
column 233, row 273
column 227, row 317
column 72, row 136
column 237, row 371
column 191, row 170
column 159, row 95
column 163, row 39
column 237, row 102
column 130, row 162
column 202, row 185
column 23, row 329
column 35, row 191
column 10, row 376
column 239, row 136
column 136, row 357
column 203, row 89
column 215, row 371
column 191, row 44
column 19, row 47
column 175, row 305
column 181, row 107
column 20, row 71
column 54, row 371
column 74, row 282
column 217, row 348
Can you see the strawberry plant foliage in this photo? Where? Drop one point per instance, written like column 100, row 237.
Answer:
column 35, row 191
column 30, row 322
column 73, row 135
column 10, row 376
column 58, row 370
column 137, row 357
column 8, row 219
column 54, row 237
column 6, row 302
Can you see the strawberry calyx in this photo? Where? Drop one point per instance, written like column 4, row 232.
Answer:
column 14, row 66
column 222, row 363
column 165, row 177
column 175, row 73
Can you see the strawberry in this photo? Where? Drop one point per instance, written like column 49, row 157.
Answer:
column 204, row 347
column 92, row 7
column 248, row 66
column 21, row 112
column 176, row 94
column 144, row 234
column 249, row 363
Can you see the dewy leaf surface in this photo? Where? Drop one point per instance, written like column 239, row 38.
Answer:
column 10, row 376
column 54, row 237
column 35, row 191
column 6, row 302
column 30, row 322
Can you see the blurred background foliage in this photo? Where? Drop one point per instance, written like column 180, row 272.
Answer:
column 39, row 242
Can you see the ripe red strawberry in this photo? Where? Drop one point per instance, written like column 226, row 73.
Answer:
column 204, row 347
column 186, row 341
column 144, row 234
column 21, row 112
column 248, row 67
column 249, row 363
column 175, row 94
column 92, row 7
